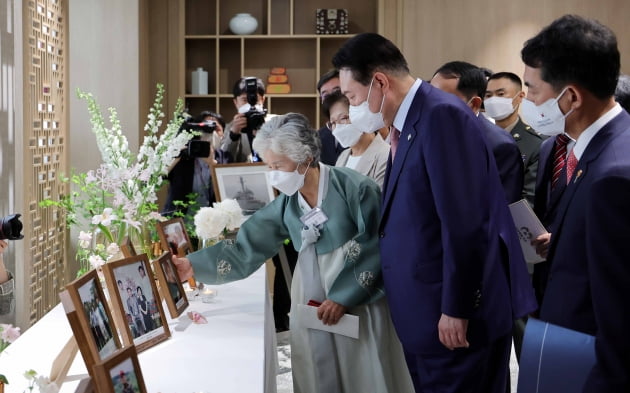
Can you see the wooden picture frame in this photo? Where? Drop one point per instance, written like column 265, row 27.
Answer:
column 136, row 302
column 170, row 286
column 246, row 183
column 174, row 237
column 127, row 248
column 91, row 319
column 120, row 373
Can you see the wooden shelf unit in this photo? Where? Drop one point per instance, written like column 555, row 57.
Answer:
column 285, row 37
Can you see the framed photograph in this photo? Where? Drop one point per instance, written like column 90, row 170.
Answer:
column 127, row 248
column 170, row 286
column 246, row 183
column 120, row 373
column 173, row 236
column 90, row 319
column 135, row 302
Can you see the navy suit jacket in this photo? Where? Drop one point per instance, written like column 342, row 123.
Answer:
column 589, row 255
column 448, row 242
column 508, row 158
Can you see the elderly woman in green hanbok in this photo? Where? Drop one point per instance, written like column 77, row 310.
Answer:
column 331, row 214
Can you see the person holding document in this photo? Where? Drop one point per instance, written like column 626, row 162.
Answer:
column 571, row 70
column 331, row 215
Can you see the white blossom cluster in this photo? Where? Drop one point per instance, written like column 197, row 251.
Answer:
column 121, row 195
column 210, row 222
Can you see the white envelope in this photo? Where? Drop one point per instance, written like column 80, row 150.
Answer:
column 348, row 325
column 528, row 227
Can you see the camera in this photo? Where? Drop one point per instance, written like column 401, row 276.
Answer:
column 255, row 115
column 207, row 126
column 195, row 147
column 10, row 227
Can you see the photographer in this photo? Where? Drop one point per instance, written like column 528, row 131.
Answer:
column 249, row 97
column 191, row 171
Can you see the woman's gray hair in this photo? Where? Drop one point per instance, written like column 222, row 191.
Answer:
column 290, row 135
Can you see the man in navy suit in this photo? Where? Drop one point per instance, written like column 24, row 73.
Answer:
column 468, row 82
column 454, row 272
column 571, row 69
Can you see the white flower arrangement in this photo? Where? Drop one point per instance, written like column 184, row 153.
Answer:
column 119, row 198
column 210, row 222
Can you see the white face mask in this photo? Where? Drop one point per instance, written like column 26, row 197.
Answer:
column 347, row 134
column 498, row 108
column 245, row 108
column 546, row 118
column 287, row 183
column 364, row 119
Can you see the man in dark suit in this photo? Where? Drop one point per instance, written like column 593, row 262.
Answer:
column 468, row 82
column 331, row 149
column 453, row 268
column 571, row 70
column 504, row 93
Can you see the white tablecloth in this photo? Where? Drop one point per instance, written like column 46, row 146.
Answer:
column 234, row 352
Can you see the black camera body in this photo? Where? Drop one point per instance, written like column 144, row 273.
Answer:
column 255, row 118
column 10, row 227
column 195, row 147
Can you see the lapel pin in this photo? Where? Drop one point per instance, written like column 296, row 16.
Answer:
column 409, row 137
column 577, row 175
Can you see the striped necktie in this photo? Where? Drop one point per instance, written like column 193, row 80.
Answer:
column 559, row 157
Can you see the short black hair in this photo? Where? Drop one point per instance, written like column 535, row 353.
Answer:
column 622, row 92
column 331, row 99
column 216, row 115
column 507, row 75
column 367, row 53
column 471, row 79
column 239, row 87
column 573, row 49
column 334, row 73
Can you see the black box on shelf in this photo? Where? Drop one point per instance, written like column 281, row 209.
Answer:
column 332, row 21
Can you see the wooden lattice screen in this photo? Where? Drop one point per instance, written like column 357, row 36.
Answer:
column 45, row 98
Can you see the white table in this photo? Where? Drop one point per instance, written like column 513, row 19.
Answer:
column 234, row 352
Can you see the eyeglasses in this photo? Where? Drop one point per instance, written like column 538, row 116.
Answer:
column 343, row 119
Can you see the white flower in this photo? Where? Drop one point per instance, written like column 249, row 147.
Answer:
column 210, row 222
column 96, row 261
column 90, row 178
column 112, row 249
column 156, row 216
column 85, row 239
column 106, row 218
column 10, row 333
column 45, row 385
column 233, row 211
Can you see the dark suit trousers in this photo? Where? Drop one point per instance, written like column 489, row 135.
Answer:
column 481, row 370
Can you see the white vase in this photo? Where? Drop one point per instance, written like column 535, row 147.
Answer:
column 243, row 24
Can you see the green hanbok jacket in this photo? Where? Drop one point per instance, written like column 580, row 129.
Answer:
column 352, row 204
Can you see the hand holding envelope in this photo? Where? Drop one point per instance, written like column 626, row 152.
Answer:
column 347, row 325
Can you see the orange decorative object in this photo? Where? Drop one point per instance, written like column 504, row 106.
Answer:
column 278, row 71
column 284, row 88
column 273, row 79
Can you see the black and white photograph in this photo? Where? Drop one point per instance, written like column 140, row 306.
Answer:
column 245, row 183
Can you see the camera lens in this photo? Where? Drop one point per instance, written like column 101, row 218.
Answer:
column 10, row 227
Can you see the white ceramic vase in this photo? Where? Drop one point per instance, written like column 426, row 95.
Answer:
column 243, row 24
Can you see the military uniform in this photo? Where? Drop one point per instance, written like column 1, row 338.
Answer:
column 528, row 142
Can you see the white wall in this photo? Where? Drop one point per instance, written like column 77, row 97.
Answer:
column 104, row 60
